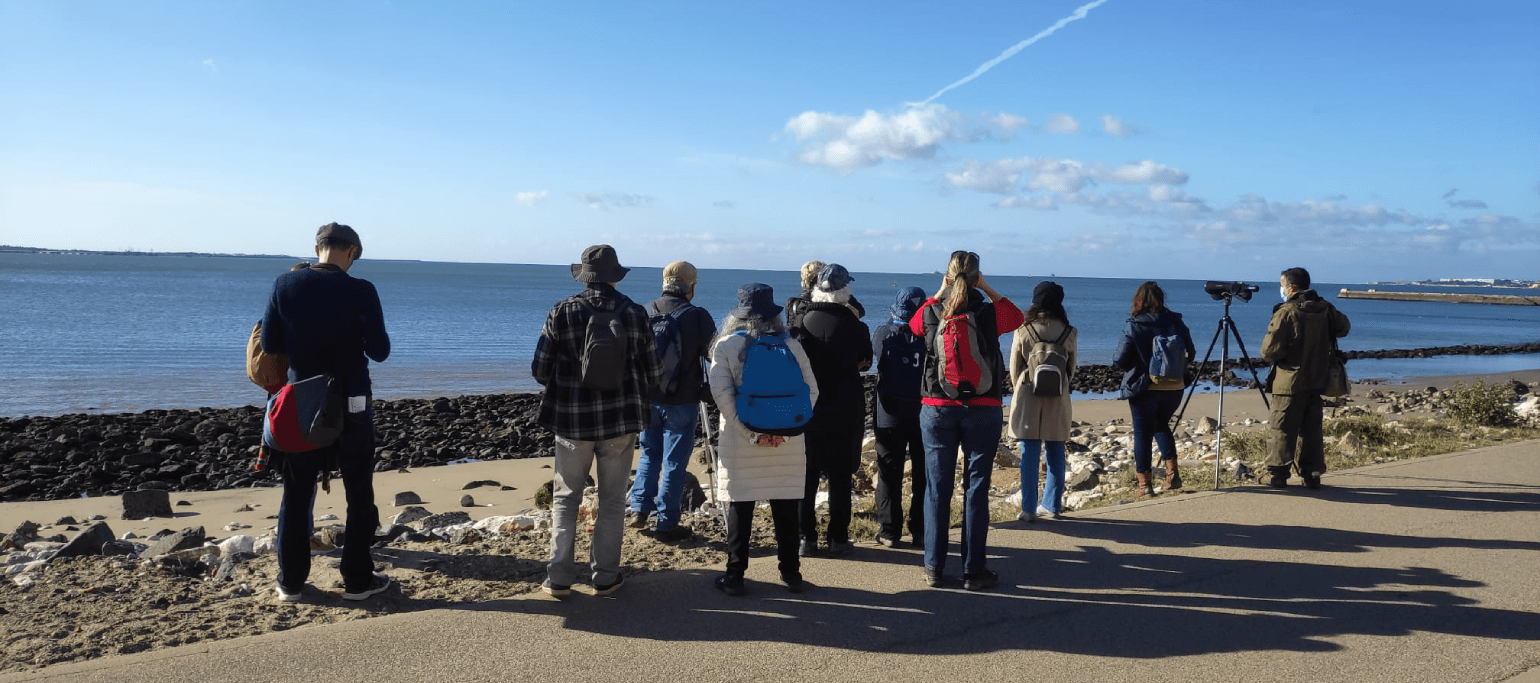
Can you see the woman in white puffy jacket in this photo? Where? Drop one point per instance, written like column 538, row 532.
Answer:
column 754, row 466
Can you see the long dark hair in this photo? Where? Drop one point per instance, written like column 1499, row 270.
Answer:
column 1148, row 298
column 1036, row 313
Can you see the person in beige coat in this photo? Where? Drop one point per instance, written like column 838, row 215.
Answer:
column 1038, row 420
column 753, row 466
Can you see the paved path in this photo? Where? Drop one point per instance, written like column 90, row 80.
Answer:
column 1426, row 570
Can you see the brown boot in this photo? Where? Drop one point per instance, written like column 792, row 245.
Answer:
column 1173, row 477
column 1142, row 482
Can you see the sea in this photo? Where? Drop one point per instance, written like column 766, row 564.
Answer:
column 98, row 333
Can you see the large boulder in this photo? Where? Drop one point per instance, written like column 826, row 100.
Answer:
column 88, row 542
column 170, row 543
column 146, row 503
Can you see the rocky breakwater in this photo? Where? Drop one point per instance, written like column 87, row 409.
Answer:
column 69, row 456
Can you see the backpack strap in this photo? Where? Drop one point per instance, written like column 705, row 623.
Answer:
column 1035, row 339
column 1064, row 336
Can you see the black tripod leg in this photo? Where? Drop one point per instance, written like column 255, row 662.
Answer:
column 1249, row 365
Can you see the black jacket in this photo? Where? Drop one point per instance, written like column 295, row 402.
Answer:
column 696, row 330
column 839, row 346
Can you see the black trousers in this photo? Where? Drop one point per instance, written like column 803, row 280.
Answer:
column 354, row 456
column 740, row 529
column 895, row 446
column 832, row 450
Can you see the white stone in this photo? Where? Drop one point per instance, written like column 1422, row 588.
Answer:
column 264, row 545
column 240, row 543
column 326, row 518
column 24, row 580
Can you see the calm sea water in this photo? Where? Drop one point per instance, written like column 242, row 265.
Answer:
column 85, row 333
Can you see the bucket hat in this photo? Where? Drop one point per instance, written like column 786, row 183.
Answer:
column 756, row 300
column 600, row 264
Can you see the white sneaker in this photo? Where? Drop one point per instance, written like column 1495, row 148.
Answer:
column 1026, row 517
column 1046, row 513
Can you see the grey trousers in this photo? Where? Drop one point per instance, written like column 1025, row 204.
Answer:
column 1295, row 424
column 573, row 459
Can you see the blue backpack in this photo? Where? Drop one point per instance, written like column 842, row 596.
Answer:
column 1168, row 356
column 772, row 398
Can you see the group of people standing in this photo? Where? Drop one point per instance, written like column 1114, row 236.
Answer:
column 617, row 373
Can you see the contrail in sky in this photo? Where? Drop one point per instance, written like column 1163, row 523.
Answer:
column 1018, row 47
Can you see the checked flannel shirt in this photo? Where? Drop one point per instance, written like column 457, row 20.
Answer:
column 573, row 411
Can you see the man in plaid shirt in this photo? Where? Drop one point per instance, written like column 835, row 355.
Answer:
column 593, row 423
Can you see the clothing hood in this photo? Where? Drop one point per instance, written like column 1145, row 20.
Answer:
column 907, row 303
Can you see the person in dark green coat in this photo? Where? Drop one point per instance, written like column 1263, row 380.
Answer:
column 1299, row 343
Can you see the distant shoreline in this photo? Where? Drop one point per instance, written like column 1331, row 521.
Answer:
column 9, row 249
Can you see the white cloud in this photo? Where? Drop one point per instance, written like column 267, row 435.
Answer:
column 1026, row 202
column 1063, row 124
column 532, row 198
column 1062, row 176
column 210, row 65
column 605, row 201
column 1144, row 173
column 1117, row 128
column 847, row 143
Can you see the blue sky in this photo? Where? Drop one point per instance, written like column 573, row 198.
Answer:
column 1199, row 139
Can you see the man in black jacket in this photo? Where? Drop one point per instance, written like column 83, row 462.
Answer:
column 670, row 434
column 839, row 347
column 329, row 322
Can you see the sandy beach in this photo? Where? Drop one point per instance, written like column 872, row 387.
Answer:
column 85, row 608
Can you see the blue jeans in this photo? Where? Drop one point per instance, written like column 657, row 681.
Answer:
column 1053, row 484
column 354, row 457
column 976, row 429
column 1152, row 411
column 666, row 446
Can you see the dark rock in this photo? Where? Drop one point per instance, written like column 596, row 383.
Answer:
column 509, row 488
column 65, row 521
column 545, row 495
column 408, row 498
column 183, row 503
column 464, row 536
column 480, row 483
column 88, row 542
column 466, row 501
column 118, row 548
column 17, row 490
column 412, row 514
column 181, row 540
column 146, row 503
column 693, row 496
column 443, row 519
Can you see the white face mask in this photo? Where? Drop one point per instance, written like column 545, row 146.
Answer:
column 1283, row 292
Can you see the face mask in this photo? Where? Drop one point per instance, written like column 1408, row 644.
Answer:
column 1283, row 292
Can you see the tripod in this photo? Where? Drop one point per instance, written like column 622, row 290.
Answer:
column 1225, row 325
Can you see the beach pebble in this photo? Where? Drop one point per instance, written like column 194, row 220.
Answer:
column 479, row 483
column 408, row 498
column 466, row 501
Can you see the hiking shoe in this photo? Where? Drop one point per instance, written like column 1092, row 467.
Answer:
column 286, row 595
column 840, row 548
column 606, row 589
column 1045, row 513
column 638, row 520
column 377, row 584
column 888, row 541
column 1027, row 517
column 808, row 548
column 978, row 581
column 674, row 535
column 1312, row 480
column 794, row 582
column 1278, row 481
column 729, row 584
column 320, row 546
column 555, row 590
column 934, row 578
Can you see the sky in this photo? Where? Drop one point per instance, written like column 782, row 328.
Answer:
column 1202, row 139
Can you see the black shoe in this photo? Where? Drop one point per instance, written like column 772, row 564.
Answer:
column 1312, row 481
column 840, row 548
column 674, row 535
column 808, row 548
column 555, row 590
column 1278, row 482
column 888, row 541
column 978, row 581
column 794, row 583
column 934, row 578
column 377, row 584
column 730, row 584
column 608, row 588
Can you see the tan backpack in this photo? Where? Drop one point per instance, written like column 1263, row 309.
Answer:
column 267, row 370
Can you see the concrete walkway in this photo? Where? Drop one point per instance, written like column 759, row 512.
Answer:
column 1425, row 570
